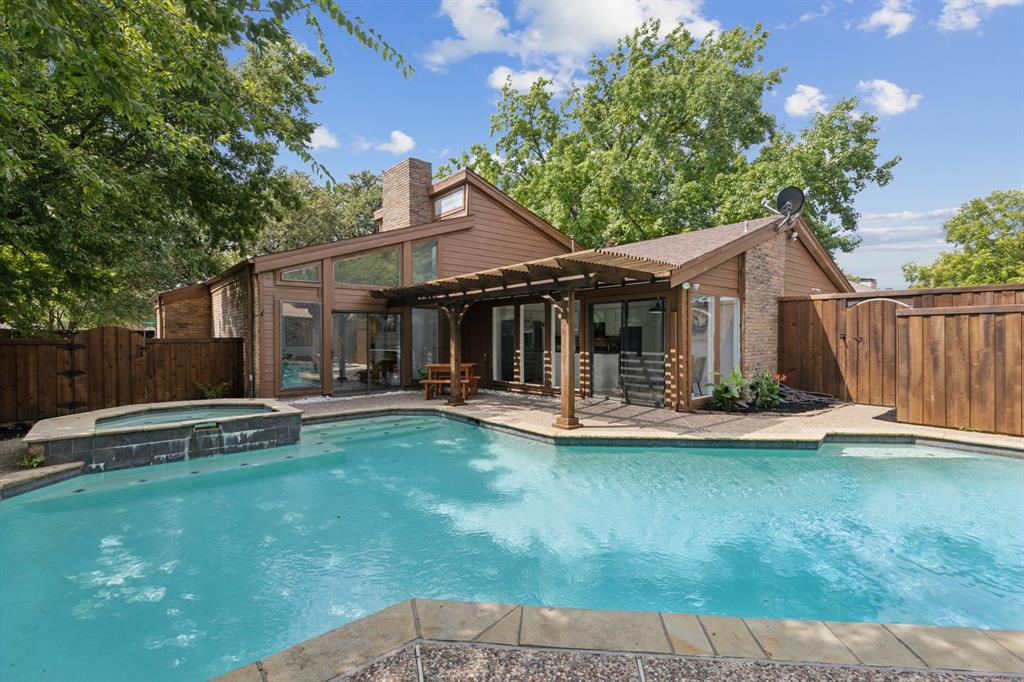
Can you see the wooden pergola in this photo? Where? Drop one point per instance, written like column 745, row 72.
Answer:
column 556, row 279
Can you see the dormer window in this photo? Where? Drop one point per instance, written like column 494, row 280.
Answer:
column 450, row 203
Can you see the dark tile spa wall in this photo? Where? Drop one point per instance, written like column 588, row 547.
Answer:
column 105, row 452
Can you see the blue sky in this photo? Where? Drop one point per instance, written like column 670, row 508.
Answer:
column 945, row 76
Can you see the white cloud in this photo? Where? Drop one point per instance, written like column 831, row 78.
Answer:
column 807, row 99
column 826, row 8
column 322, row 138
column 964, row 15
column 398, row 143
column 901, row 233
column 554, row 37
column 911, row 215
column 481, row 27
column 889, row 98
column 893, row 15
column 522, row 80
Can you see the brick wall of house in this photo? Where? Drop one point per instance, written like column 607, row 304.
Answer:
column 406, row 190
column 764, row 284
column 185, row 318
column 229, row 302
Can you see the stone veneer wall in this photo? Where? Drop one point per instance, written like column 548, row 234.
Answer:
column 765, row 283
column 406, row 195
column 186, row 318
column 105, row 452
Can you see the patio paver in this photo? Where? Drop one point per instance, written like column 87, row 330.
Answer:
column 686, row 635
column 799, row 640
column 958, row 648
column 731, row 637
column 587, row 629
column 458, row 621
column 874, row 645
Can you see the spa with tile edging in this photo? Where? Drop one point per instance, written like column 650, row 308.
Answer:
column 352, row 647
column 83, row 438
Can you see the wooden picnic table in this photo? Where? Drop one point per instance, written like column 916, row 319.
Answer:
column 439, row 376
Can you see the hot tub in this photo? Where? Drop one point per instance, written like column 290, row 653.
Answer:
column 138, row 435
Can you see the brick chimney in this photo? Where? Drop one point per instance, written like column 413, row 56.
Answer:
column 407, row 202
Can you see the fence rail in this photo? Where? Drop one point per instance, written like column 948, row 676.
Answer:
column 845, row 344
column 962, row 368
column 107, row 367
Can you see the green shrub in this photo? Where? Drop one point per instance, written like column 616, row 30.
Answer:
column 30, row 461
column 765, row 390
column 730, row 392
column 213, row 391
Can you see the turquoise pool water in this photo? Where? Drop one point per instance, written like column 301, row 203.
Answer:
column 168, row 416
column 186, row 570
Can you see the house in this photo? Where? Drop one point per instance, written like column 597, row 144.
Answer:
column 653, row 322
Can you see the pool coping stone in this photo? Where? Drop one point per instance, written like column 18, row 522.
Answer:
column 867, row 646
column 793, row 442
column 14, row 483
column 83, row 424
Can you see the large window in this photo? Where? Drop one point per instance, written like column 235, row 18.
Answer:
column 556, row 347
column 424, row 261
column 728, row 334
column 504, row 342
column 714, row 340
column 424, row 340
column 450, row 203
column 308, row 273
column 366, row 352
column 532, row 342
column 380, row 269
column 702, row 344
column 300, row 345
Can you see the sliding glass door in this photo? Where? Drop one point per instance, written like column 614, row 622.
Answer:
column 531, row 341
column 365, row 351
column 628, row 350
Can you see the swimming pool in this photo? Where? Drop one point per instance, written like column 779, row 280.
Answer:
column 187, row 570
column 180, row 414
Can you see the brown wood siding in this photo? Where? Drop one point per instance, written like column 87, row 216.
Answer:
column 723, row 279
column 108, row 367
column 803, row 274
column 846, row 344
column 967, row 365
column 497, row 238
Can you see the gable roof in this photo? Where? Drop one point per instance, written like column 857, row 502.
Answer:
column 699, row 250
column 492, row 192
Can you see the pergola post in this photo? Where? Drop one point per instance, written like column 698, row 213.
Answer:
column 455, row 313
column 567, row 418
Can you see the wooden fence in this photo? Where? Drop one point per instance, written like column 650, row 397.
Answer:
column 845, row 344
column 109, row 366
column 962, row 368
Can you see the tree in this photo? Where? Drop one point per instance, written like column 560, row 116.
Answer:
column 322, row 214
column 668, row 134
column 134, row 151
column 988, row 237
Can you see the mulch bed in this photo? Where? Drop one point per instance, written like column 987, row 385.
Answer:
column 794, row 402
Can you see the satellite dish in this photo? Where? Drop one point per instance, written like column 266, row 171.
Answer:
column 790, row 201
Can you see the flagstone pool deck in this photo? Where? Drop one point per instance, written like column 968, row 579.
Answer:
column 609, row 421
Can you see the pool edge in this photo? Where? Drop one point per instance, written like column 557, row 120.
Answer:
column 870, row 646
column 576, row 438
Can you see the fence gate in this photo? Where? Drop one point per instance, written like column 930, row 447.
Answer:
column 868, row 338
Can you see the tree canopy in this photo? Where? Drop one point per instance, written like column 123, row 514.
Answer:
column 138, row 142
column 668, row 134
column 988, row 237
column 320, row 214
